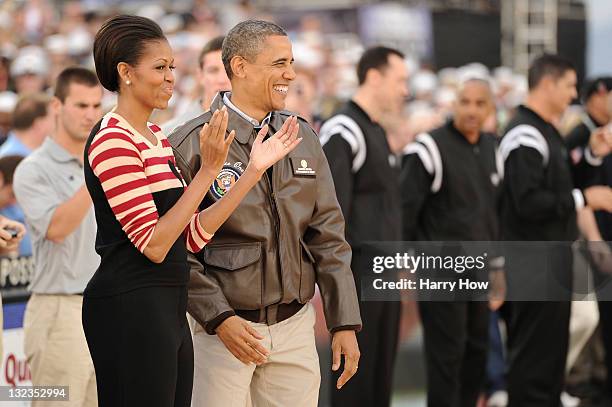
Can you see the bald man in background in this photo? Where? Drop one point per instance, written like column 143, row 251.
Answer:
column 450, row 184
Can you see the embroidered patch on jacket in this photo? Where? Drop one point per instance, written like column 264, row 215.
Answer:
column 301, row 166
column 227, row 177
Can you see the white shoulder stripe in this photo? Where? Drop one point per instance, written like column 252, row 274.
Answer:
column 526, row 136
column 345, row 127
column 421, row 151
column 499, row 163
column 343, row 132
column 436, row 158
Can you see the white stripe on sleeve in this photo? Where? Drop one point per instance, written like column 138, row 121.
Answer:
column 345, row 127
column 524, row 135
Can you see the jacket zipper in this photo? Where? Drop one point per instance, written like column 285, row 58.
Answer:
column 276, row 219
column 276, row 216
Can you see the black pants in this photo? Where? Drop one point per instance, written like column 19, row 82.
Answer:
column 538, row 336
column 603, row 282
column 456, row 336
column 141, row 347
column 372, row 384
column 605, row 320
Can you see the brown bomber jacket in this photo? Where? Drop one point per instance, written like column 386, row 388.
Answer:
column 285, row 236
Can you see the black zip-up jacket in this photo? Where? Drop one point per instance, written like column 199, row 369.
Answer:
column 588, row 170
column 450, row 188
column 539, row 201
column 365, row 175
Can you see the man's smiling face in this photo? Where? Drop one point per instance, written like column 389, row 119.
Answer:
column 270, row 73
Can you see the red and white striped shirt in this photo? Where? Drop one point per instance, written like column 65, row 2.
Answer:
column 131, row 170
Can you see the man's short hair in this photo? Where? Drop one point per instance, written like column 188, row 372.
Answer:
column 75, row 74
column 551, row 65
column 216, row 44
column 594, row 85
column 246, row 39
column 8, row 164
column 29, row 108
column 375, row 58
column 475, row 79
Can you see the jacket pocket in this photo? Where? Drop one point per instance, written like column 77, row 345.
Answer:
column 307, row 273
column 237, row 268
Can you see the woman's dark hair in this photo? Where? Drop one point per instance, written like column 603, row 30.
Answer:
column 122, row 39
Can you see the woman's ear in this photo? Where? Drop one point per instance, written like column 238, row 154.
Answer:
column 124, row 74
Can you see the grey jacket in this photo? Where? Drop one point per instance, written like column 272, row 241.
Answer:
column 285, row 236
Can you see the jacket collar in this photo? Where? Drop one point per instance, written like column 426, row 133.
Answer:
column 354, row 105
column 240, row 121
column 526, row 110
column 450, row 126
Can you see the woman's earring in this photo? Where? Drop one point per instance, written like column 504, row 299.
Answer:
column 128, row 82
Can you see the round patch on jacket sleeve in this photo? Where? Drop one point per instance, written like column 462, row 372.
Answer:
column 227, row 177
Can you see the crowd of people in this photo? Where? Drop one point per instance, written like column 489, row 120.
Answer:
column 288, row 147
column 38, row 40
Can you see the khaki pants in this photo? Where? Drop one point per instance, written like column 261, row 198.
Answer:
column 56, row 349
column 583, row 322
column 290, row 378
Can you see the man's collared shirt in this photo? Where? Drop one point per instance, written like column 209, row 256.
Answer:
column 14, row 146
column 257, row 125
column 46, row 179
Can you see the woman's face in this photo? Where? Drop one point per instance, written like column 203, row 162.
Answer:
column 152, row 78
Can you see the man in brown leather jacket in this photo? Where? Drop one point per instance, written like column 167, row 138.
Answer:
column 252, row 284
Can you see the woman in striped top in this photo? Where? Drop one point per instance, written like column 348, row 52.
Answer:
column 135, row 304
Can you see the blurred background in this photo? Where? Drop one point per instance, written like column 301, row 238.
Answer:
column 444, row 40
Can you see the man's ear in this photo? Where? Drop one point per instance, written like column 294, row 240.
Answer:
column 492, row 110
column 239, row 66
column 548, row 83
column 55, row 105
column 200, row 75
column 373, row 77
